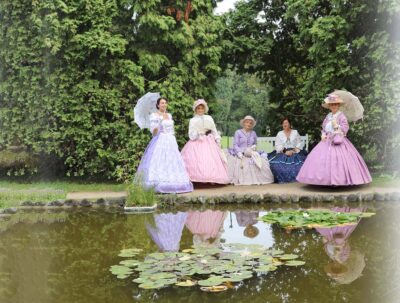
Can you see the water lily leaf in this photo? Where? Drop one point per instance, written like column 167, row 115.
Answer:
column 295, row 263
column 120, row 270
column 187, row 283
column 214, row 288
column 288, row 257
column 162, row 275
column 276, row 252
column 151, row 285
column 122, row 276
column 263, row 269
column 130, row 263
column 213, row 281
column 141, row 280
column 157, row 256
column 188, row 250
column 265, row 259
column 185, row 258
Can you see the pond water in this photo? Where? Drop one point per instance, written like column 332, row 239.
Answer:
column 65, row 256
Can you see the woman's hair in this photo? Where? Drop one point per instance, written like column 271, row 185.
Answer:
column 288, row 120
column 159, row 100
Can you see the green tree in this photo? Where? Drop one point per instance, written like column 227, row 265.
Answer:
column 72, row 70
column 305, row 49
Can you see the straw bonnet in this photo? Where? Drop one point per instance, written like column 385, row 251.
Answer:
column 200, row 102
column 331, row 99
column 248, row 118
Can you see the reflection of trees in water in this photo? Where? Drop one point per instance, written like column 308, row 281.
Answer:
column 381, row 236
column 69, row 262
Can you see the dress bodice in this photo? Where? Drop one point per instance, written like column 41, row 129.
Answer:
column 165, row 126
column 293, row 141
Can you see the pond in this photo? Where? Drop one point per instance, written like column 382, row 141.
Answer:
column 65, row 256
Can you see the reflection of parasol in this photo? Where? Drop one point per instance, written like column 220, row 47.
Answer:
column 345, row 273
column 168, row 231
column 351, row 107
column 145, row 106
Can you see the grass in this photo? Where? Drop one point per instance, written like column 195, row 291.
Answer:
column 138, row 195
column 385, row 180
column 14, row 193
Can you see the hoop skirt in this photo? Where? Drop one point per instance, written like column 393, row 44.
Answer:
column 334, row 163
column 204, row 162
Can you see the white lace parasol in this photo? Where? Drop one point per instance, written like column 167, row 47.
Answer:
column 145, row 106
column 351, row 107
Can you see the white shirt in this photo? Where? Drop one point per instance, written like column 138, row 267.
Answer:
column 200, row 124
column 293, row 141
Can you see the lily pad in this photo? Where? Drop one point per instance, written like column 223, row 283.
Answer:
column 288, row 257
column 130, row 263
column 187, row 283
column 152, row 285
column 219, row 288
column 213, row 281
column 294, row 263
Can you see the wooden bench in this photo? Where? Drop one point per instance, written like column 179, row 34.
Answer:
column 263, row 143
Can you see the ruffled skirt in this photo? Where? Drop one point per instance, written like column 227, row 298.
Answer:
column 162, row 166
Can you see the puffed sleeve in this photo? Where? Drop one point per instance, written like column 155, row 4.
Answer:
column 279, row 143
column 297, row 140
column 343, row 124
column 154, row 122
column 193, row 132
column 236, row 143
column 214, row 130
column 323, row 132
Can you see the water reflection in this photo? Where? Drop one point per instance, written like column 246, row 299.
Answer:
column 65, row 257
column 168, row 229
column 346, row 265
column 206, row 227
column 248, row 219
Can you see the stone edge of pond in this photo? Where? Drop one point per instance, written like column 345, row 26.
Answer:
column 232, row 198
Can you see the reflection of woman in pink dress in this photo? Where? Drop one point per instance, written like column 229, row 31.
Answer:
column 203, row 157
column 206, row 226
column 346, row 265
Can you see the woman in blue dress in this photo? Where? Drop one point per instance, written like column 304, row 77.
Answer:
column 289, row 156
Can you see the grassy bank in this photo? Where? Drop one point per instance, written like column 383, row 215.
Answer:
column 14, row 193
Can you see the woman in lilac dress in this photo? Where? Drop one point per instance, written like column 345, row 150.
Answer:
column 162, row 167
column 346, row 265
column 246, row 165
column 334, row 161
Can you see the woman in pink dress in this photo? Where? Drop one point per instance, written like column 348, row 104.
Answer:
column 334, row 161
column 203, row 157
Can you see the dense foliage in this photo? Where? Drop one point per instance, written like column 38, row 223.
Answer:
column 71, row 72
column 305, row 49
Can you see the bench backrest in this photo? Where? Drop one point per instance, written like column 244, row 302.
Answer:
column 265, row 144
